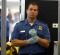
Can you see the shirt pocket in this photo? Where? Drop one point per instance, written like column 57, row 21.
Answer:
column 22, row 35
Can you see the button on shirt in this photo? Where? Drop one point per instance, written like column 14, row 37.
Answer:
column 21, row 32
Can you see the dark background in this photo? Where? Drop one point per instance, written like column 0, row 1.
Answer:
column 48, row 13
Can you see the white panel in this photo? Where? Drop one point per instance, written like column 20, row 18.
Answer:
column 55, row 25
column 22, row 10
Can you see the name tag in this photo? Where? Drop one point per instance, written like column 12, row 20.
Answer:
column 22, row 31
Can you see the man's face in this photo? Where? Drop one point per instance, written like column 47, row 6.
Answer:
column 32, row 11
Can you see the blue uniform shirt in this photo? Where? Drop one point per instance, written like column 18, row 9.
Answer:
column 21, row 32
column 7, row 28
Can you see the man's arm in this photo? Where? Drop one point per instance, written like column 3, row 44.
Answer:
column 44, row 42
column 17, row 42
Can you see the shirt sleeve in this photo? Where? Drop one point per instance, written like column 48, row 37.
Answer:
column 14, row 34
column 46, row 33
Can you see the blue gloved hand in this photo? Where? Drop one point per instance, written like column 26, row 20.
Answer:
column 34, row 38
column 33, row 32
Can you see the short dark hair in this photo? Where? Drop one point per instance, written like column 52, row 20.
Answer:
column 33, row 3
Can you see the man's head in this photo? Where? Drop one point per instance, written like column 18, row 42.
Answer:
column 32, row 10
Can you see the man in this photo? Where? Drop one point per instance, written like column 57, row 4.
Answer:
column 31, row 35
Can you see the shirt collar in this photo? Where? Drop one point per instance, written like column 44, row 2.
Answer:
column 26, row 22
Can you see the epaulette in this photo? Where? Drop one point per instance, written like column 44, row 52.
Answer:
column 21, row 21
column 43, row 22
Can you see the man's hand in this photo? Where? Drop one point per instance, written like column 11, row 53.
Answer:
column 33, row 32
column 34, row 38
column 15, row 42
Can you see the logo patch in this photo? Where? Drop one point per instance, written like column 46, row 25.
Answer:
column 40, row 28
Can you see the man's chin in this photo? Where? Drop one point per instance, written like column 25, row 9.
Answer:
column 32, row 17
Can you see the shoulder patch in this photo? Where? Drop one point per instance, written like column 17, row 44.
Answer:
column 39, row 27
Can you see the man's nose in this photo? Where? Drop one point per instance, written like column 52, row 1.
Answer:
column 32, row 11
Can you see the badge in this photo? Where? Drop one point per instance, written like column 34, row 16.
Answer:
column 22, row 31
column 40, row 28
